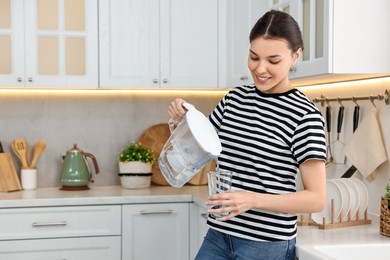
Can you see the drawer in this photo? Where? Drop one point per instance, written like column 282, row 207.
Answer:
column 96, row 248
column 52, row 222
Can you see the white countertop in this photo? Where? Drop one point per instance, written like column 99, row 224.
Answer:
column 99, row 195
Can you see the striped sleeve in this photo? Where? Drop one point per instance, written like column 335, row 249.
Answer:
column 309, row 139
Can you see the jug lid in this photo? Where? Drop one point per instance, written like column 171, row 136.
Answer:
column 202, row 130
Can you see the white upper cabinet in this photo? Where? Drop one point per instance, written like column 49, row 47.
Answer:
column 159, row 43
column 343, row 39
column 48, row 43
column 240, row 18
column 129, row 42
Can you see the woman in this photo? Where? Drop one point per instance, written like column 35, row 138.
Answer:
column 269, row 131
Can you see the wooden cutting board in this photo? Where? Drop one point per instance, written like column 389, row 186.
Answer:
column 155, row 138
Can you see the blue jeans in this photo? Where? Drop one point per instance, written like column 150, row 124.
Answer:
column 217, row 246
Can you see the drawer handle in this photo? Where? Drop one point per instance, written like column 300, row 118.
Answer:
column 49, row 224
column 155, row 212
column 204, row 215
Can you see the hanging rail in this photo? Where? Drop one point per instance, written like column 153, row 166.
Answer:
column 385, row 96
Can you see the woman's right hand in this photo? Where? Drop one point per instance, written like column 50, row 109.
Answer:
column 176, row 110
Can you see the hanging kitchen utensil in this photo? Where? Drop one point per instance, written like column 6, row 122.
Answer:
column 39, row 148
column 352, row 169
column 338, row 145
column 329, row 155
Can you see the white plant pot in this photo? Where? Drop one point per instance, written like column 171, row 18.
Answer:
column 135, row 167
column 135, row 175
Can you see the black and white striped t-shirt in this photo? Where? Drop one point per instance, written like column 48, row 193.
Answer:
column 265, row 137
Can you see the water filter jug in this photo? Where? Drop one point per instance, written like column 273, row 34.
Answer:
column 192, row 144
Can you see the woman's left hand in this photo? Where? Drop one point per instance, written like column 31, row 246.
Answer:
column 235, row 202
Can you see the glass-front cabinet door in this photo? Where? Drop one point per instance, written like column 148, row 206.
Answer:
column 310, row 15
column 49, row 43
column 11, row 43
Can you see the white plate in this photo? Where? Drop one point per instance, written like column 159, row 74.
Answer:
column 332, row 192
column 355, row 196
column 363, row 196
column 346, row 198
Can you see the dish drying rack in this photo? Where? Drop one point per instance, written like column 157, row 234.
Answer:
column 336, row 223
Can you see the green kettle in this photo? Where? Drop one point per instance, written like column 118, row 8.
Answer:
column 75, row 173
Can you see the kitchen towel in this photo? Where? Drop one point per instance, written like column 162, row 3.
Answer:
column 366, row 149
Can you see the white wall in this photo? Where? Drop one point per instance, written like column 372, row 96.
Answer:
column 102, row 123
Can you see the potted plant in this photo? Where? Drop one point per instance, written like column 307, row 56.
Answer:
column 135, row 166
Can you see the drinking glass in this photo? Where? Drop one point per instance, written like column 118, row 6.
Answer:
column 219, row 181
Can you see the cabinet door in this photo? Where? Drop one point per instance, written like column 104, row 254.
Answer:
column 11, row 43
column 189, row 43
column 155, row 231
column 198, row 228
column 241, row 16
column 312, row 17
column 97, row 248
column 129, row 43
column 61, row 43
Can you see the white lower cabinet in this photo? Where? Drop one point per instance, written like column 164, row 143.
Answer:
column 198, row 228
column 74, row 232
column 155, row 231
column 130, row 232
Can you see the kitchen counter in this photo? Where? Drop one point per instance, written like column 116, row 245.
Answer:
column 110, row 195
column 102, row 195
column 310, row 237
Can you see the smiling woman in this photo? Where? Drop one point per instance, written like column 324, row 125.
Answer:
column 268, row 132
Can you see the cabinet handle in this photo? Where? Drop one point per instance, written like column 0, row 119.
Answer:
column 204, row 215
column 165, row 81
column 155, row 81
column 244, row 78
column 19, row 79
column 30, row 79
column 49, row 224
column 155, row 212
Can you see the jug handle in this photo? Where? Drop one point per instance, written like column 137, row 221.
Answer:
column 188, row 106
column 93, row 160
column 172, row 123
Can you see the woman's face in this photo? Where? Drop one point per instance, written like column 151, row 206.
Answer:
column 270, row 61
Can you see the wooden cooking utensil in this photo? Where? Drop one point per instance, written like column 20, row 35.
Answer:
column 15, row 150
column 39, row 148
column 19, row 146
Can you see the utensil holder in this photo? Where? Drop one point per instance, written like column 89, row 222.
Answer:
column 29, row 178
column 385, row 217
